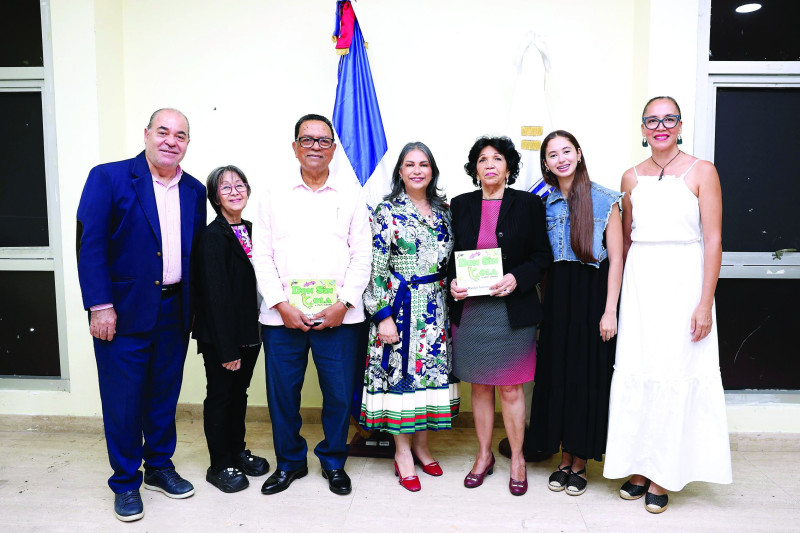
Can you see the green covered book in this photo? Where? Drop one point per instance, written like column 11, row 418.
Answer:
column 312, row 295
column 477, row 270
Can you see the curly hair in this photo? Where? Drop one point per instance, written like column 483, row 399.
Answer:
column 505, row 146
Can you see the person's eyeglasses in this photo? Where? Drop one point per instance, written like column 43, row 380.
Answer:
column 225, row 190
column 669, row 121
column 308, row 142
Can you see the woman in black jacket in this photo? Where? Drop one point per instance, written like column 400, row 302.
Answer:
column 494, row 336
column 226, row 328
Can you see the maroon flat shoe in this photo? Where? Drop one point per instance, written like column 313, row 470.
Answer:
column 476, row 480
column 432, row 469
column 410, row 483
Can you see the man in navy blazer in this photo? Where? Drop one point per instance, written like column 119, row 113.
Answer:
column 137, row 220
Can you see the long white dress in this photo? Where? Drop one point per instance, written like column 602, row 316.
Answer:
column 667, row 417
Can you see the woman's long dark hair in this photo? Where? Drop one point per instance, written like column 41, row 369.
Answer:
column 581, row 214
column 435, row 197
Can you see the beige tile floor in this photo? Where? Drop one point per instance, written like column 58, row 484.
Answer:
column 52, row 482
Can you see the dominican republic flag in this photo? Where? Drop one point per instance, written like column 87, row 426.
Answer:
column 356, row 115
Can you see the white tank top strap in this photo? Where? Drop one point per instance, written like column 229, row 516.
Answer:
column 636, row 173
column 688, row 169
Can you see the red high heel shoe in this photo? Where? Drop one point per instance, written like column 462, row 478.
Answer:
column 432, row 469
column 476, row 480
column 410, row 483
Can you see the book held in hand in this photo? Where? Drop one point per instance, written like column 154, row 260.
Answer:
column 312, row 295
column 477, row 270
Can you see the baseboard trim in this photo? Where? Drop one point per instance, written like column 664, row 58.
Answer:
column 193, row 413
column 311, row 415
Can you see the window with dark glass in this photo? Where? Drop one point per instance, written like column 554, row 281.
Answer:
column 30, row 289
column 755, row 153
column 756, row 322
column 28, row 325
column 768, row 33
column 23, row 192
column 20, row 34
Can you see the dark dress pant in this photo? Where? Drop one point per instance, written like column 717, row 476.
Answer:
column 286, row 354
column 225, row 406
column 140, row 379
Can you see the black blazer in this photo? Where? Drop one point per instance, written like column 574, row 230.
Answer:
column 225, row 291
column 522, row 236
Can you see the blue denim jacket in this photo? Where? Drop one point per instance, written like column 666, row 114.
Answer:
column 557, row 212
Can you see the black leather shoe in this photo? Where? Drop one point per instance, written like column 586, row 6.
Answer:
column 227, row 479
column 281, row 479
column 530, row 456
column 250, row 464
column 338, row 481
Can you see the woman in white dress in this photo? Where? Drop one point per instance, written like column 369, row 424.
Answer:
column 667, row 423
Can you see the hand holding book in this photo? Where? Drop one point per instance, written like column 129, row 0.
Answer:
column 504, row 287
column 480, row 272
column 330, row 317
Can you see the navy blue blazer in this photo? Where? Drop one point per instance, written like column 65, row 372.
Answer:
column 119, row 242
column 522, row 237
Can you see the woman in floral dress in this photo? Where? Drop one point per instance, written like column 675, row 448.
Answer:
column 407, row 388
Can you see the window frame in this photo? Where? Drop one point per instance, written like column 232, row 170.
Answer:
column 42, row 258
column 709, row 76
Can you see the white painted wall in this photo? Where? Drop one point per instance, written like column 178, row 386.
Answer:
column 244, row 71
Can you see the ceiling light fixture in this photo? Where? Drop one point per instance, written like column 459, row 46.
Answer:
column 748, row 8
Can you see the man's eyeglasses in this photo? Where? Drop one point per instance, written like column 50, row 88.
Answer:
column 308, row 142
column 225, row 190
column 669, row 121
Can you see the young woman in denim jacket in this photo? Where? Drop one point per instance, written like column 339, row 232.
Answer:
column 577, row 344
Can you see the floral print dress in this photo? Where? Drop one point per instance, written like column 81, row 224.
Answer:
column 407, row 386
